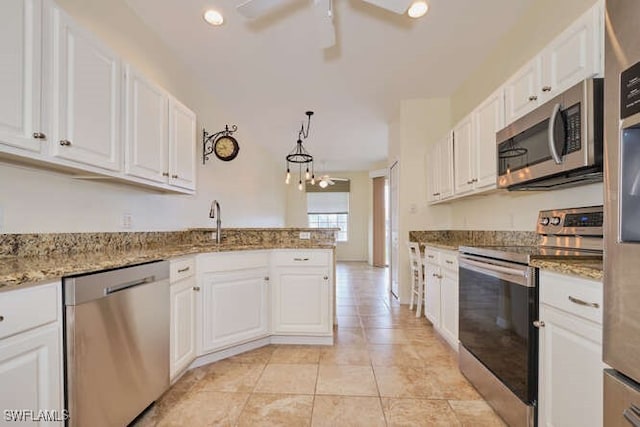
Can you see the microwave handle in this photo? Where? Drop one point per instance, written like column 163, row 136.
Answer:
column 550, row 134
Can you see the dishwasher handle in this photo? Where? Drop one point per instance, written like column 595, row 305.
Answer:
column 124, row 286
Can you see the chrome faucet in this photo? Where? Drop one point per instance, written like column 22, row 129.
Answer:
column 215, row 213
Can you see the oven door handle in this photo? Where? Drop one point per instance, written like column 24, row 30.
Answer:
column 522, row 276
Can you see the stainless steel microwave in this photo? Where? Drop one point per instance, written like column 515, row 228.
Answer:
column 559, row 144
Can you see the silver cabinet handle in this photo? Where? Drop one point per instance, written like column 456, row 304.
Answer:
column 1, row 318
column 430, row 256
column 165, row 173
column 538, row 324
column 65, row 142
column 39, row 135
column 533, row 98
column 449, row 262
column 182, row 270
column 474, row 180
column 196, row 288
column 174, row 176
column 470, row 181
column 546, row 88
column 301, row 259
column 326, row 277
column 584, row 303
column 436, row 194
column 632, row 414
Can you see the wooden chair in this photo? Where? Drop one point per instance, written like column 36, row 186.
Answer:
column 417, row 277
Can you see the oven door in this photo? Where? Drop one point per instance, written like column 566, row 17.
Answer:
column 498, row 304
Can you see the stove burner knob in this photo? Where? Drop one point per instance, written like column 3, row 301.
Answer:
column 544, row 220
column 555, row 220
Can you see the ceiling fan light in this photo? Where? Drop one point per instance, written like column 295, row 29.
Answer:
column 213, row 17
column 323, row 184
column 418, row 9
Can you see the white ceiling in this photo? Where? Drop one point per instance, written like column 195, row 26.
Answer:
column 267, row 73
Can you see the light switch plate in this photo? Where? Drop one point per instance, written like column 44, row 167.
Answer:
column 305, row 235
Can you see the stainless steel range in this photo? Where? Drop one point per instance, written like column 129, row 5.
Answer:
column 498, row 303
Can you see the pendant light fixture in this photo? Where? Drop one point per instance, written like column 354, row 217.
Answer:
column 300, row 156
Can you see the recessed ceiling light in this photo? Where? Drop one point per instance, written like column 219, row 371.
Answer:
column 418, row 8
column 213, row 17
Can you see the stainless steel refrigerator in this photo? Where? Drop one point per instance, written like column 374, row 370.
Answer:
column 621, row 334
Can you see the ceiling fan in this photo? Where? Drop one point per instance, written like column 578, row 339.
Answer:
column 323, row 9
column 325, row 180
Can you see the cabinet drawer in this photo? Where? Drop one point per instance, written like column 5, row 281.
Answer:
column 181, row 269
column 449, row 260
column 574, row 295
column 431, row 256
column 302, row 258
column 25, row 309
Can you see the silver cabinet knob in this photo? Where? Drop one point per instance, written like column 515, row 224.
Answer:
column 538, row 323
column 474, row 180
column 326, row 277
column 174, row 176
column 65, row 142
column 196, row 288
column 533, row 98
column 546, row 88
column 1, row 318
column 39, row 135
column 470, row 181
column 165, row 173
column 266, row 278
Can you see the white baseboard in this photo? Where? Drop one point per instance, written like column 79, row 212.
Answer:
column 302, row 340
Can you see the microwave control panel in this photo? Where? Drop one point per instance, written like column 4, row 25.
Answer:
column 573, row 123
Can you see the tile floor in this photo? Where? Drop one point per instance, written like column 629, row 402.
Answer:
column 387, row 368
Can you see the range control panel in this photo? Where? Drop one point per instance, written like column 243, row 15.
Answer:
column 585, row 221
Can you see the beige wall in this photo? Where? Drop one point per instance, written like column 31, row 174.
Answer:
column 248, row 188
column 356, row 249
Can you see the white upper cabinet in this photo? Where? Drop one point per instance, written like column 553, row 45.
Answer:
column 521, row 91
column 86, row 96
column 439, row 163
column 182, row 146
column 463, row 156
column 574, row 55
column 147, row 128
column 20, row 74
column 488, row 119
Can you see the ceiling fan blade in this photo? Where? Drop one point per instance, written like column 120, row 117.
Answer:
column 395, row 6
column 339, row 179
column 252, row 9
column 325, row 31
column 330, row 181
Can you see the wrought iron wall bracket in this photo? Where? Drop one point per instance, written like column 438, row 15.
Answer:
column 209, row 140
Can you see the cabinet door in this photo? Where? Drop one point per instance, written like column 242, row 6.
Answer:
column 31, row 363
column 488, row 119
column 574, row 55
column 449, row 307
column 432, row 160
column 234, row 308
column 182, row 146
column 86, row 96
column 20, row 73
column 147, row 126
column 432, row 294
column 183, row 325
column 570, row 370
column 301, row 301
column 522, row 90
column 463, row 165
column 446, row 168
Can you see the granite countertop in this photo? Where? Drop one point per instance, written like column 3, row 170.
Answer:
column 588, row 269
column 18, row 272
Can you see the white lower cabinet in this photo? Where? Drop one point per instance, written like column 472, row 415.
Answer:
column 570, row 358
column 234, row 307
column 183, row 325
column 31, row 354
column 441, row 296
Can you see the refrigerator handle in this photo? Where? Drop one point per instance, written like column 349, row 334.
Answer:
column 632, row 414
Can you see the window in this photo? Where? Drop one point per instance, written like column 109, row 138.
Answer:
column 329, row 210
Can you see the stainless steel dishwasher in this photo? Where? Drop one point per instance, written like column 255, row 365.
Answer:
column 117, row 343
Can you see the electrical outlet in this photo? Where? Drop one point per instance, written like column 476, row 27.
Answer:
column 305, row 235
column 127, row 220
